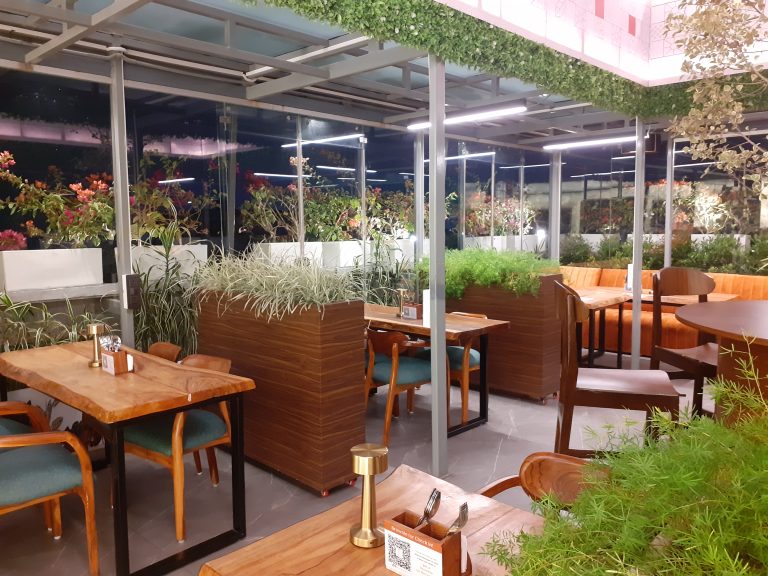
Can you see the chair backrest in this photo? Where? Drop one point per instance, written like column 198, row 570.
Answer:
column 570, row 310
column 549, row 474
column 207, row 362
column 166, row 350
column 384, row 342
column 675, row 281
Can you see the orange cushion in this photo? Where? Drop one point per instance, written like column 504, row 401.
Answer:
column 580, row 277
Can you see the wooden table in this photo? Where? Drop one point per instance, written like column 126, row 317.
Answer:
column 458, row 329
column 319, row 546
column 155, row 386
column 731, row 323
column 597, row 299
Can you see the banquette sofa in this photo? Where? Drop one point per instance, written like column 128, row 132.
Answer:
column 674, row 334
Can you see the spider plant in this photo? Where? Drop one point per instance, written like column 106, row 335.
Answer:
column 272, row 289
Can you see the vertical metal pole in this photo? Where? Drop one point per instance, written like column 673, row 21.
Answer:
column 637, row 240
column 521, row 184
column 300, row 185
column 418, row 190
column 462, row 196
column 120, row 187
column 231, row 177
column 555, row 191
column 668, row 212
column 361, row 186
column 493, row 195
column 437, row 264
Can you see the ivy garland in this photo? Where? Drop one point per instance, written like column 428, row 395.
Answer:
column 465, row 40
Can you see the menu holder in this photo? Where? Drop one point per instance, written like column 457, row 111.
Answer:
column 411, row 550
column 115, row 363
column 412, row 311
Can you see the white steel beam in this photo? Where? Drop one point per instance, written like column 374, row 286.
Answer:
column 115, row 10
column 343, row 69
column 637, row 240
column 45, row 11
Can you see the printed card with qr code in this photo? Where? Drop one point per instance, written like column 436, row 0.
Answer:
column 408, row 557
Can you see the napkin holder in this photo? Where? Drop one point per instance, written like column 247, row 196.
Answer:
column 410, row 550
column 413, row 311
column 115, row 363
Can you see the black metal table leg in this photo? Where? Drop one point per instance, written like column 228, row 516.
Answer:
column 482, row 418
column 238, row 465
column 601, row 336
column 119, row 502
column 619, row 338
column 591, row 350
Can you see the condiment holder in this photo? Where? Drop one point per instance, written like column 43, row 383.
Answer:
column 114, row 358
column 425, row 549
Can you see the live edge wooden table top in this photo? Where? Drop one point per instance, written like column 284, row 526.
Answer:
column 319, row 546
column 457, row 327
column 155, row 385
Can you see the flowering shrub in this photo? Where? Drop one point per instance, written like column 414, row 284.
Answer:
column 506, row 216
column 12, row 240
column 77, row 215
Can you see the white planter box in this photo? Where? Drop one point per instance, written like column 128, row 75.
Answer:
column 594, row 239
column 484, row 242
column 56, row 268
column 288, row 252
column 743, row 239
column 152, row 258
column 530, row 242
column 344, row 254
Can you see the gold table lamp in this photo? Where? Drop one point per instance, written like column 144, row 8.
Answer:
column 367, row 461
column 94, row 330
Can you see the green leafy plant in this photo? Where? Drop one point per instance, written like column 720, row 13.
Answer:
column 686, row 503
column 168, row 311
column 272, row 289
column 517, row 272
column 575, row 249
column 611, row 247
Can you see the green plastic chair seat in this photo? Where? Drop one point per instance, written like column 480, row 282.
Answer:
column 155, row 434
column 33, row 472
column 455, row 356
column 410, row 370
column 9, row 426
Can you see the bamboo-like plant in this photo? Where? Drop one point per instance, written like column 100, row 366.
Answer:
column 272, row 289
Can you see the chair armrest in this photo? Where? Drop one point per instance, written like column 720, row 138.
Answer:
column 500, row 486
column 36, row 417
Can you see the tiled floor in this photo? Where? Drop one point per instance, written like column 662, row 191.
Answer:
column 516, row 428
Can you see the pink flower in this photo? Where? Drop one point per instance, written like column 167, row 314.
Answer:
column 12, row 240
column 6, row 160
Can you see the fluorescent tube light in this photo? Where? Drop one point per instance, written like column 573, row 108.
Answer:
column 602, row 173
column 367, row 179
column 268, row 175
column 526, row 166
column 695, row 164
column 475, row 117
column 464, row 156
column 174, row 180
column 342, row 169
column 587, row 143
column 323, row 140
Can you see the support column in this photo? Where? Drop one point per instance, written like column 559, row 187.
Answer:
column 555, row 191
column 493, row 197
column 361, row 186
column 120, row 189
column 637, row 241
column 521, row 185
column 300, row 185
column 462, row 196
column 418, row 191
column 668, row 212
column 437, row 264
column 231, row 132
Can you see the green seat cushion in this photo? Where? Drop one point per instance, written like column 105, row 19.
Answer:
column 410, row 370
column 154, row 434
column 9, row 426
column 455, row 356
column 35, row 471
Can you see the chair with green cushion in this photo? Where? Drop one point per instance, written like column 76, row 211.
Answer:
column 36, row 469
column 166, row 438
column 388, row 367
column 462, row 361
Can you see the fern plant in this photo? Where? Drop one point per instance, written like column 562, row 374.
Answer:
column 689, row 503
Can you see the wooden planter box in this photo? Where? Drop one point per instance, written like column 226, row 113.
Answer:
column 524, row 360
column 308, row 408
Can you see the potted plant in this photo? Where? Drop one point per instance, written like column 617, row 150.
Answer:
column 77, row 218
column 297, row 330
column 685, row 502
column 514, row 286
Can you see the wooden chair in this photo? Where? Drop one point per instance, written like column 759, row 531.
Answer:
column 35, row 468
column 644, row 390
column 165, row 439
column 545, row 474
column 387, row 366
column 167, row 350
column 696, row 363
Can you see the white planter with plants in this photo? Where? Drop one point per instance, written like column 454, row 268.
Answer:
column 531, row 243
column 54, row 268
column 484, row 242
column 342, row 254
column 151, row 259
column 289, row 251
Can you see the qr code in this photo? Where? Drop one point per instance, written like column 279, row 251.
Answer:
column 399, row 553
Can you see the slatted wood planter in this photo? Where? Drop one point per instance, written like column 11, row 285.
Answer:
column 308, row 408
column 524, row 360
